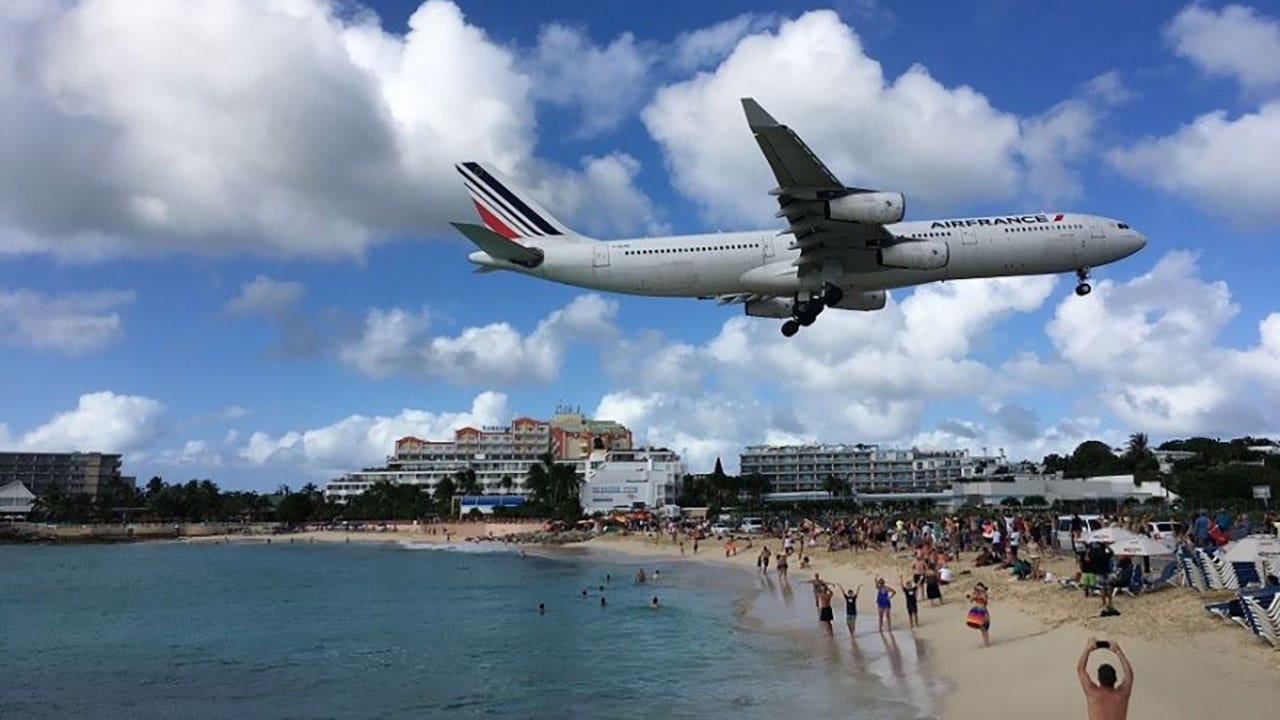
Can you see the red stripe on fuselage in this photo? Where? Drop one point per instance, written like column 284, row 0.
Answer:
column 492, row 222
column 1057, row 218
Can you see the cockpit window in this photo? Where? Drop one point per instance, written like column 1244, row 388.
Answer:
column 1122, row 226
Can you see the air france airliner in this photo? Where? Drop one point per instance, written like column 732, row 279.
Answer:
column 843, row 247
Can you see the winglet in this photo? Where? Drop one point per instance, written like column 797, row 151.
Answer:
column 757, row 117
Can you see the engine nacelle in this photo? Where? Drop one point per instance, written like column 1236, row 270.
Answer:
column 870, row 300
column 879, row 208
column 915, row 255
column 769, row 308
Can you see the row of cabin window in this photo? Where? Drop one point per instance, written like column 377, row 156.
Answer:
column 1055, row 227
column 698, row 249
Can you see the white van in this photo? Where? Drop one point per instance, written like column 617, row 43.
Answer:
column 1062, row 529
column 752, row 525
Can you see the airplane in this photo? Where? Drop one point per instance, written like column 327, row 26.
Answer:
column 843, row 247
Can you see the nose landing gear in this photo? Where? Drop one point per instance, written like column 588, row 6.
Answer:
column 1083, row 288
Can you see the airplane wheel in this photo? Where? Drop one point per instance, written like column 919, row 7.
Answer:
column 832, row 295
column 790, row 327
column 1083, row 289
column 806, row 320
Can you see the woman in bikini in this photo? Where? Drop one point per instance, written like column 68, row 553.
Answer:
column 979, row 617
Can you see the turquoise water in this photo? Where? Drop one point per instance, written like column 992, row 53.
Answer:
column 356, row 631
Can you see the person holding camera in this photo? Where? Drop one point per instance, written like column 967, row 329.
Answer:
column 1106, row 699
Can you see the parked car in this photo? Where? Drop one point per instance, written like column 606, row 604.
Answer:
column 720, row 529
column 752, row 525
column 1062, row 533
column 1166, row 531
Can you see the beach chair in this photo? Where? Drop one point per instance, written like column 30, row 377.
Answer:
column 1246, row 573
column 1164, row 579
column 1263, row 625
column 1220, row 610
column 1219, row 573
column 1193, row 574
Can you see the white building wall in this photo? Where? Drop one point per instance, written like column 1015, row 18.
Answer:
column 624, row 479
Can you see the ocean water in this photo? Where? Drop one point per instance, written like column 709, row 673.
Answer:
column 366, row 631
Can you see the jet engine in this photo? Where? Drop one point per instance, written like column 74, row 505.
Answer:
column 878, row 208
column 870, row 300
column 914, row 255
column 769, row 307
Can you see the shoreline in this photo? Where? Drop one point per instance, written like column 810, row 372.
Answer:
column 1186, row 663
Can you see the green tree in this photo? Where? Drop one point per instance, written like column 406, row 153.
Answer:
column 553, row 489
column 835, row 486
column 443, row 496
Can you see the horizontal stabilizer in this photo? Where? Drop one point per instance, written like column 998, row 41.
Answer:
column 499, row 247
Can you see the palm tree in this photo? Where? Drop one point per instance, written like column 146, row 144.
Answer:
column 506, row 483
column 835, row 486
column 1138, row 446
column 467, row 482
column 553, row 487
column 445, row 490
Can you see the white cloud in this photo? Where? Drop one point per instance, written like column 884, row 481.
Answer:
column 285, row 127
column 397, row 342
column 854, row 376
column 1150, row 349
column 265, row 296
column 73, row 324
column 1222, row 165
column 707, row 46
column 1236, row 42
column 101, row 422
column 606, row 83
column 942, row 145
column 360, row 440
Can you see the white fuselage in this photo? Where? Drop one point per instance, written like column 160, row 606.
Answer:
column 764, row 262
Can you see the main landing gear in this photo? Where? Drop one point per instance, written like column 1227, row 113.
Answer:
column 1083, row 288
column 805, row 312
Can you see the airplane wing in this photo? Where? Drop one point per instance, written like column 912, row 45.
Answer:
column 805, row 191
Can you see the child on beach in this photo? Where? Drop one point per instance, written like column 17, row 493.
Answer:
column 884, row 594
column 850, row 606
column 909, row 590
column 979, row 617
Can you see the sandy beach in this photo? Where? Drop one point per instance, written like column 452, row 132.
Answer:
column 1187, row 664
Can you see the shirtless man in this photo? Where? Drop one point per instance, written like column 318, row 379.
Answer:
column 825, row 616
column 1106, row 700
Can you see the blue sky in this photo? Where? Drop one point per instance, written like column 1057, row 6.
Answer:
column 224, row 250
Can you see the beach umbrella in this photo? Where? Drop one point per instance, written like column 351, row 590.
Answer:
column 1110, row 535
column 1140, row 545
column 1252, row 547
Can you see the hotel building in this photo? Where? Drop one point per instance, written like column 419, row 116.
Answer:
column 493, row 453
column 867, row 468
column 74, row 473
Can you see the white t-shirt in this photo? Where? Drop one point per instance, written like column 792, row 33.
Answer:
column 945, row 574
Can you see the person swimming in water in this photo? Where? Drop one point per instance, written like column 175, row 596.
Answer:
column 602, row 601
column 654, row 602
column 542, row 608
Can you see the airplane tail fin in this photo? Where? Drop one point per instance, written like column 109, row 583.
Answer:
column 507, row 210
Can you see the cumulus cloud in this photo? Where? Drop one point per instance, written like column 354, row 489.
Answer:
column 943, row 145
column 1236, row 42
column 1151, row 348
column 864, row 376
column 398, row 342
column 72, row 324
column 1222, row 165
column 101, row 422
column 361, row 440
column 293, row 127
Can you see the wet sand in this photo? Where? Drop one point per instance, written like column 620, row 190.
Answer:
column 1187, row 663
